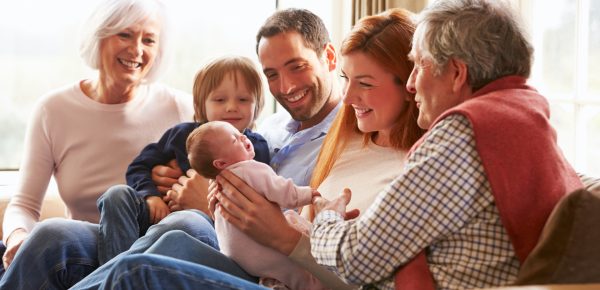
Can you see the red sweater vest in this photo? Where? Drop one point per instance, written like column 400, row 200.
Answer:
column 525, row 168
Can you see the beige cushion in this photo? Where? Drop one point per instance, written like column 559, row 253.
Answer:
column 53, row 206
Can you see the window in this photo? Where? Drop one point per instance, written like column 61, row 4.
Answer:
column 566, row 37
column 39, row 51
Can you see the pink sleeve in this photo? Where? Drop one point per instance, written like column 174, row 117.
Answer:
column 23, row 211
column 275, row 188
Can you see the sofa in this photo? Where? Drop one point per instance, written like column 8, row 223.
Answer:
column 53, row 206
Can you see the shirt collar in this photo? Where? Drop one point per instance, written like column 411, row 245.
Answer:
column 293, row 125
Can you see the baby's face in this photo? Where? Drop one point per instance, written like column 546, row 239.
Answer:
column 233, row 145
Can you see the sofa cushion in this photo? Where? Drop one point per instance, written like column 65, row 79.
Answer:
column 53, row 206
column 569, row 248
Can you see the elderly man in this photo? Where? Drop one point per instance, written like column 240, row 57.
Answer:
column 479, row 185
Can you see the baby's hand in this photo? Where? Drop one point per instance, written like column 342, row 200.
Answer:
column 315, row 194
column 337, row 204
column 158, row 209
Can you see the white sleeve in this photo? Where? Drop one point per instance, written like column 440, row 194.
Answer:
column 185, row 106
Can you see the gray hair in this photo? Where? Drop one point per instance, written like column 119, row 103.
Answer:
column 112, row 17
column 485, row 34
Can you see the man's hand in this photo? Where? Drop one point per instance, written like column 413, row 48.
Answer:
column 158, row 209
column 14, row 242
column 338, row 205
column 254, row 215
column 164, row 176
column 190, row 192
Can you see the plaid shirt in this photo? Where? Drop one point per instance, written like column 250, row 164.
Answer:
column 442, row 203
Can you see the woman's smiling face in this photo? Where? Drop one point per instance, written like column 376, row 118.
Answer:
column 373, row 93
column 127, row 57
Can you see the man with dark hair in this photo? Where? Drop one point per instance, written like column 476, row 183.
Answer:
column 299, row 63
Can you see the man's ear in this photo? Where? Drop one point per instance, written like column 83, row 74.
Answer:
column 219, row 164
column 330, row 56
column 460, row 74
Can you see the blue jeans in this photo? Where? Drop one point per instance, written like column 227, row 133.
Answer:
column 2, row 250
column 179, row 246
column 124, row 217
column 150, row 271
column 59, row 253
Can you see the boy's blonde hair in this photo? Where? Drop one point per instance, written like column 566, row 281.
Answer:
column 200, row 150
column 211, row 76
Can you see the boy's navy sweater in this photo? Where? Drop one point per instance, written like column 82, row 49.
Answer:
column 172, row 146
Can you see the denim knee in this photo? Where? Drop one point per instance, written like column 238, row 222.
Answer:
column 172, row 237
column 159, row 272
column 193, row 222
column 60, row 252
column 54, row 231
column 59, row 233
column 116, row 195
column 185, row 218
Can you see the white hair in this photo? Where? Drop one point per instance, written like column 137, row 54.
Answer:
column 485, row 34
column 112, row 17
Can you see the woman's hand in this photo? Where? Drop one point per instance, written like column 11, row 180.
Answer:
column 164, row 176
column 14, row 242
column 338, row 205
column 213, row 188
column 158, row 209
column 254, row 215
column 190, row 192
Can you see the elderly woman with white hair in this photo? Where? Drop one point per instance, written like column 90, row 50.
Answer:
column 85, row 134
